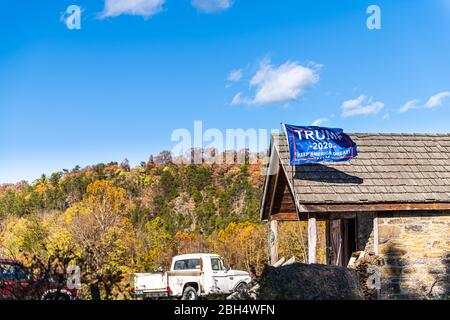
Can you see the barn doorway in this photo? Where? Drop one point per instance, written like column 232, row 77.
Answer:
column 341, row 241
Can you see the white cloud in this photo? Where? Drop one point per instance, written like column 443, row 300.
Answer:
column 145, row 8
column 320, row 121
column 361, row 106
column 279, row 84
column 349, row 104
column 237, row 99
column 437, row 100
column 235, row 75
column 210, row 6
column 411, row 104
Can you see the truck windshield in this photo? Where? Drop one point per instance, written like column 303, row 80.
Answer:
column 188, row 264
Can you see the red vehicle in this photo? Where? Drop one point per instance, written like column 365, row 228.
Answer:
column 17, row 283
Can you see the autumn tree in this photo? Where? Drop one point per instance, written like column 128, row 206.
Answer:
column 190, row 242
column 150, row 246
column 293, row 240
column 164, row 157
column 100, row 227
column 25, row 234
column 125, row 165
column 244, row 245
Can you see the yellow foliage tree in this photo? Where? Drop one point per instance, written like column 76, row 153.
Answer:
column 293, row 240
column 150, row 246
column 26, row 234
column 244, row 245
column 189, row 242
column 101, row 229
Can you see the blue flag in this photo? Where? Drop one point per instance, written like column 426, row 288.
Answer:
column 319, row 144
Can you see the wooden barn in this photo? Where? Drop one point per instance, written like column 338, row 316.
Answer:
column 393, row 200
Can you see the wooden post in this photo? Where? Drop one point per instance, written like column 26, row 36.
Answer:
column 375, row 233
column 312, row 238
column 273, row 241
column 328, row 242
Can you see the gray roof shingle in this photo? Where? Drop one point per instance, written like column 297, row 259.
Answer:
column 390, row 168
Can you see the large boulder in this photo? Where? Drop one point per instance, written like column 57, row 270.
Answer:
column 309, row 282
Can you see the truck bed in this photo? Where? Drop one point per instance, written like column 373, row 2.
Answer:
column 154, row 285
column 151, row 284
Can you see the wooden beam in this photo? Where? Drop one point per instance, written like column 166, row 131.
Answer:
column 273, row 159
column 350, row 209
column 273, row 242
column 274, row 192
column 285, row 216
column 312, row 238
column 353, row 208
column 364, row 207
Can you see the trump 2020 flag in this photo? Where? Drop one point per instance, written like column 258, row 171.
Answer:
column 319, row 144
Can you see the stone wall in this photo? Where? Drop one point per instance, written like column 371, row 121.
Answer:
column 416, row 251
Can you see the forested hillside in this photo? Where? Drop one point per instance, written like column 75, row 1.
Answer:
column 116, row 219
column 113, row 220
column 197, row 198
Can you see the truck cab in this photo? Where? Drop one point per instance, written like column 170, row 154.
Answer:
column 190, row 277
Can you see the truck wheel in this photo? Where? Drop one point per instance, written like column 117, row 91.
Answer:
column 56, row 296
column 189, row 293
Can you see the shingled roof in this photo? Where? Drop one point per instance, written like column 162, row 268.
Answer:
column 390, row 168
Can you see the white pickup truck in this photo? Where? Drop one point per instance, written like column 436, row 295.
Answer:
column 190, row 277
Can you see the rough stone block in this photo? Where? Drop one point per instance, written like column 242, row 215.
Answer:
column 310, row 282
column 387, row 232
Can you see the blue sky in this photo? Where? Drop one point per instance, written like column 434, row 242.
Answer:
column 137, row 70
